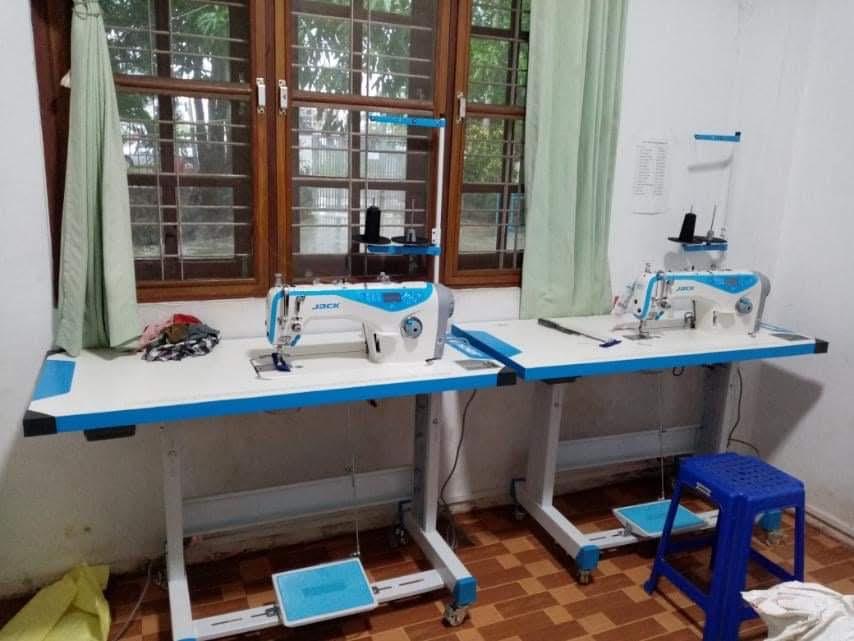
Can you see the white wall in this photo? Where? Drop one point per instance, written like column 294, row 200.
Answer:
column 804, row 420
column 63, row 501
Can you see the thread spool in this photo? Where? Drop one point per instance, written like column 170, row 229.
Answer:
column 371, row 235
column 686, row 233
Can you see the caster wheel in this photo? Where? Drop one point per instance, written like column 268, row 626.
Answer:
column 400, row 536
column 519, row 513
column 455, row 615
column 584, row 577
column 774, row 537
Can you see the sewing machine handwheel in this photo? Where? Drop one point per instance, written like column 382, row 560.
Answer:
column 411, row 327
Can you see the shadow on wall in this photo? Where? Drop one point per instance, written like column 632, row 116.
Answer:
column 784, row 398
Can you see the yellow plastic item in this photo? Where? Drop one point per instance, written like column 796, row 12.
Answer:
column 72, row 609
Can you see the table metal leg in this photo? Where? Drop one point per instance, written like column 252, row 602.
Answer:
column 420, row 520
column 179, row 593
column 713, row 432
column 536, row 493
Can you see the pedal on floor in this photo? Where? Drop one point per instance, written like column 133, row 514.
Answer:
column 323, row 592
column 646, row 520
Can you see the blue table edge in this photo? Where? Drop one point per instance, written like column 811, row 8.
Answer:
column 37, row 423
column 506, row 353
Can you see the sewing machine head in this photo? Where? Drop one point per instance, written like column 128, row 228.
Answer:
column 401, row 322
column 720, row 300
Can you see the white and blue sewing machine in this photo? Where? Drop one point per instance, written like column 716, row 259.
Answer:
column 401, row 322
column 720, row 300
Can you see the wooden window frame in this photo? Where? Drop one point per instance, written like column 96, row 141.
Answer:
column 299, row 98
column 454, row 276
column 270, row 58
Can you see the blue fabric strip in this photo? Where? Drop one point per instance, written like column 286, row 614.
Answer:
column 226, row 407
column 488, row 343
column 463, row 346
column 55, row 378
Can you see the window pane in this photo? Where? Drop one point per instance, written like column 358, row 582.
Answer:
column 379, row 48
column 189, row 173
column 492, row 203
column 341, row 164
column 497, row 14
column 498, row 52
column 187, row 39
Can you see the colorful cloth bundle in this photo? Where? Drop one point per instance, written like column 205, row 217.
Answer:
column 178, row 337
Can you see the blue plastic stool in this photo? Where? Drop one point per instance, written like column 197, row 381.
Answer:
column 743, row 488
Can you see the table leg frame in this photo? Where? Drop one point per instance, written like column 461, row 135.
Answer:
column 419, row 519
column 535, row 493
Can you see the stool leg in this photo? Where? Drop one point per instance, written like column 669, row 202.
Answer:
column 730, row 603
column 664, row 542
column 800, row 535
column 715, row 610
column 715, row 541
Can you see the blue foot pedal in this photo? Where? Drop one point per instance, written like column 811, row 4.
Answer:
column 647, row 519
column 322, row 592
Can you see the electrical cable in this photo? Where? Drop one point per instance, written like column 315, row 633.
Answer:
column 443, row 503
column 351, row 468
column 731, row 436
column 121, row 633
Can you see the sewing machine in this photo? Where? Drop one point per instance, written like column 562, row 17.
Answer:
column 400, row 322
column 720, row 300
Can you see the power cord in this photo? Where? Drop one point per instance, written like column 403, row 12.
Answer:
column 731, row 436
column 451, row 534
column 121, row 633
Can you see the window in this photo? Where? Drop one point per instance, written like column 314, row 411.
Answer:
column 193, row 140
column 486, row 230
column 347, row 59
column 225, row 190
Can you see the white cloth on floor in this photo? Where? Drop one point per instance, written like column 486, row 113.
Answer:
column 796, row 611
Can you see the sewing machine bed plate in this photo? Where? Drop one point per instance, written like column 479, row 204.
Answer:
column 105, row 389
column 539, row 353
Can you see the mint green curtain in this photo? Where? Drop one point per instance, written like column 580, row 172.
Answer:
column 571, row 126
column 97, row 286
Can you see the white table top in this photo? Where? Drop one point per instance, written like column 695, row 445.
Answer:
column 103, row 389
column 537, row 353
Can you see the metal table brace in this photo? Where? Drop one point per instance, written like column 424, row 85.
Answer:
column 419, row 519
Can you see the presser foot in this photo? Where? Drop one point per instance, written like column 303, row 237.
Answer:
column 455, row 615
column 584, row 577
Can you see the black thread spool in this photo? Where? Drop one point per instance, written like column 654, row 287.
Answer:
column 371, row 235
column 686, row 234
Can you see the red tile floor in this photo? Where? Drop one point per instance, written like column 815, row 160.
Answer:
column 526, row 590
